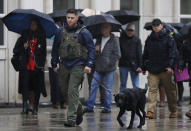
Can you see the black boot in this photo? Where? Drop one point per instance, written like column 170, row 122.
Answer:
column 69, row 123
column 25, row 108
column 180, row 93
column 35, row 110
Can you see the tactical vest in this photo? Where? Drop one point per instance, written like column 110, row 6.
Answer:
column 70, row 48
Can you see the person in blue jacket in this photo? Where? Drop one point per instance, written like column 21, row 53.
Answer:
column 74, row 51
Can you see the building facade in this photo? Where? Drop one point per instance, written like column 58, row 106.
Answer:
column 167, row 10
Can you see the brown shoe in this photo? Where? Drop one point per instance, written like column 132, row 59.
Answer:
column 188, row 114
column 173, row 115
column 150, row 115
column 162, row 104
column 55, row 106
column 63, row 106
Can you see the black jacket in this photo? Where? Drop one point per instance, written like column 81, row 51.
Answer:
column 21, row 55
column 159, row 52
column 131, row 51
column 40, row 48
column 106, row 60
column 186, row 54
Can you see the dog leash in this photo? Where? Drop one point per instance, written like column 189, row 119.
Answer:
column 102, row 85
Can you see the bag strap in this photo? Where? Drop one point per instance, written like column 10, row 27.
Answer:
column 79, row 30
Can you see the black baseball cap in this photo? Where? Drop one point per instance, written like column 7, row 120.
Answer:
column 156, row 22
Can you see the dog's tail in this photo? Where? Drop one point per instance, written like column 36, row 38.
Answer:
column 146, row 88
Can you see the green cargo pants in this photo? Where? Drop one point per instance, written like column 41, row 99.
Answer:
column 69, row 81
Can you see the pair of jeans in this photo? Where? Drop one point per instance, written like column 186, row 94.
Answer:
column 101, row 90
column 107, row 79
column 124, row 77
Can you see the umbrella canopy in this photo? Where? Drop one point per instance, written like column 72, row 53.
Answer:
column 124, row 16
column 19, row 20
column 178, row 26
column 185, row 29
column 62, row 15
column 94, row 23
column 148, row 26
column 58, row 14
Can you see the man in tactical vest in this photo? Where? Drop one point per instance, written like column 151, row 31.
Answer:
column 74, row 50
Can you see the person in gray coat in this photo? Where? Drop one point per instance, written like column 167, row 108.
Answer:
column 108, row 49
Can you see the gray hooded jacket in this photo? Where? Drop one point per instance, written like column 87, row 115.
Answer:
column 106, row 60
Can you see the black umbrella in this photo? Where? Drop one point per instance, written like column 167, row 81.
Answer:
column 124, row 16
column 62, row 15
column 58, row 14
column 19, row 20
column 148, row 26
column 94, row 22
column 178, row 26
column 185, row 29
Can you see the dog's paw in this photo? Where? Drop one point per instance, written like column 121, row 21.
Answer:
column 122, row 125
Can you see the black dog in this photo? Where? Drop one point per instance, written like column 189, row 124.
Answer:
column 133, row 100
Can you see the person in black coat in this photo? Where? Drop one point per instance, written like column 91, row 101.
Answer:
column 131, row 57
column 30, row 54
column 185, row 53
column 56, row 95
column 158, row 59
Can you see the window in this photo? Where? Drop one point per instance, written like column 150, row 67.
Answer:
column 185, row 20
column 1, row 23
column 1, row 6
column 185, row 6
column 185, row 11
column 131, row 5
column 63, row 4
column 1, row 33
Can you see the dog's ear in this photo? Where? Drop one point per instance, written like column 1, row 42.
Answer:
column 116, row 99
column 122, row 96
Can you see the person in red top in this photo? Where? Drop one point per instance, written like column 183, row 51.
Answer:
column 32, row 56
column 31, row 63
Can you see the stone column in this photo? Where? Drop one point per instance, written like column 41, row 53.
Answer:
column 11, row 75
column 101, row 5
column 48, row 6
column 32, row 4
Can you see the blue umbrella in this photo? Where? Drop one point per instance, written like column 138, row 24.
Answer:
column 19, row 20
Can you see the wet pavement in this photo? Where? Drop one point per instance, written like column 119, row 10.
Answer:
column 50, row 119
